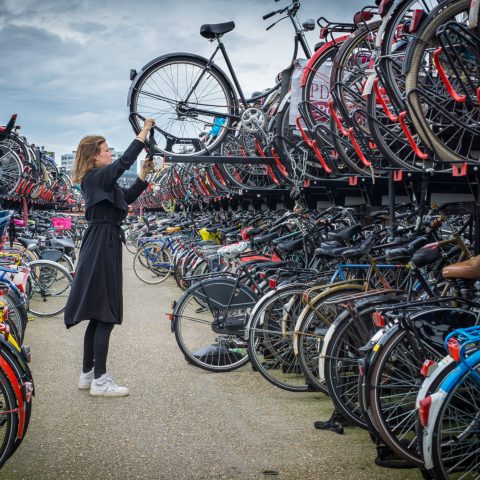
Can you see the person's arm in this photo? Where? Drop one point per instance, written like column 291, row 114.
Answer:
column 108, row 175
column 140, row 184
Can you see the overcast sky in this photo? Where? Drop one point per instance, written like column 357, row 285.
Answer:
column 65, row 63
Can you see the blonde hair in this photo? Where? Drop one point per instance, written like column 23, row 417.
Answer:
column 87, row 150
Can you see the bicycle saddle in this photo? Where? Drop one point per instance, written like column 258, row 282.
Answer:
column 265, row 238
column 232, row 251
column 361, row 249
column 469, row 269
column 425, row 256
column 330, row 251
column 405, row 253
column 216, row 30
column 345, row 233
column 28, row 243
column 291, row 246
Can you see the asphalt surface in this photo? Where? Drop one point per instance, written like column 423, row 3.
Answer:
column 179, row 422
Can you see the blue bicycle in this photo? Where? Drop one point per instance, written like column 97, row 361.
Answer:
column 153, row 262
column 451, row 415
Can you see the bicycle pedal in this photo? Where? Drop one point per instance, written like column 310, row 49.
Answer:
column 30, row 318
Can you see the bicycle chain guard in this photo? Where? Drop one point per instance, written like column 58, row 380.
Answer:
column 253, row 120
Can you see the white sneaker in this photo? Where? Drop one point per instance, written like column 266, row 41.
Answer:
column 86, row 380
column 106, row 387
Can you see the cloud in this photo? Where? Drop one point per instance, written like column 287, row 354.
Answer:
column 66, row 68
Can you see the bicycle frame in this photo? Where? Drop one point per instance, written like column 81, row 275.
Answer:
column 299, row 39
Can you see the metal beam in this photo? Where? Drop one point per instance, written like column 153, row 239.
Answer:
column 210, row 159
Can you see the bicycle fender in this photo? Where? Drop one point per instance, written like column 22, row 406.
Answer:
column 150, row 64
column 219, row 290
column 263, row 299
column 18, row 394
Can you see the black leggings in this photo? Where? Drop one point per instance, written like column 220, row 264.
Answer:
column 95, row 347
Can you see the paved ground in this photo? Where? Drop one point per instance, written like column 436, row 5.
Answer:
column 179, row 422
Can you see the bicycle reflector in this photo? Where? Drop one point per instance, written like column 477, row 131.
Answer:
column 323, row 32
column 272, row 283
column 171, row 316
column 26, row 353
column 379, row 320
column 428, row 367
column 453, row 348
column 362, row 366
column 417, row 18
column 424, row 410
column 384, row 7
column 5, row 330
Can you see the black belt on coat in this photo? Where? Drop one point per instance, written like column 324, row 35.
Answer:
column 110, row 222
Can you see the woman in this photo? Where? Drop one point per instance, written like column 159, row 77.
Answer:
column 96, row 293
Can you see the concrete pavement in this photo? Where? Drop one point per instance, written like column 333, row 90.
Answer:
column 179, row 422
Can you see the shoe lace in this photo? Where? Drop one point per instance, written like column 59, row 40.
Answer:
column 111, row 382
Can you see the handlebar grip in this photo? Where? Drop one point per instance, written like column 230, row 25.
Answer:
column 268, row 15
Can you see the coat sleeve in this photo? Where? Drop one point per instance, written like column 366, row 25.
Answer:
column 108, row 175
column 134, row 191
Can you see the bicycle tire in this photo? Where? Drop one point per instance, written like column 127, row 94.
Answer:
column 440, row 145
column 12, row 169
column 231, row 350
column 381, row 373
column 17, row 316
column 8, row 421
column 147, row 269
column 445, row 435
column 23, row 374
column 157, row 73
column 270, row 339
column 43, row 275
column 308, row 359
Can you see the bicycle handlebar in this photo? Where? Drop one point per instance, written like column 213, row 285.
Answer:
column 271, row 14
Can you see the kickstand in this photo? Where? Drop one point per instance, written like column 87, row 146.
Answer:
column 334, row 423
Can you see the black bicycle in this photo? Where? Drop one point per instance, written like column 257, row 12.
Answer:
column 195, row 104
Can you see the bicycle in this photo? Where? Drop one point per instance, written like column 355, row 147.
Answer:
column 186, row 92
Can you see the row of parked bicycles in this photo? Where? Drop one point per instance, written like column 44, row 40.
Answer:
column 27, row 172
column 382, row 318
column 396, row 90
column 36, row 271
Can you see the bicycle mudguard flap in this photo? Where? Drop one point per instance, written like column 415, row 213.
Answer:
column 224, row 293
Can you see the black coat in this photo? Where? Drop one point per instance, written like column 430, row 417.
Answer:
column 97, row 287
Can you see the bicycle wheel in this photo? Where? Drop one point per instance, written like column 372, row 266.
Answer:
column 212, row 336
column 152, row 264
column 11, row 169
column 455, row 438
column 243, row 144
column 341, row 363
column 48, row 288
column 131, row 241
column 395, row 383
column 24, row 376
column 8, row 418
column 187, row 122
column 447, row 126
column 270, row 338
column 310, row 334
column 17, row 315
